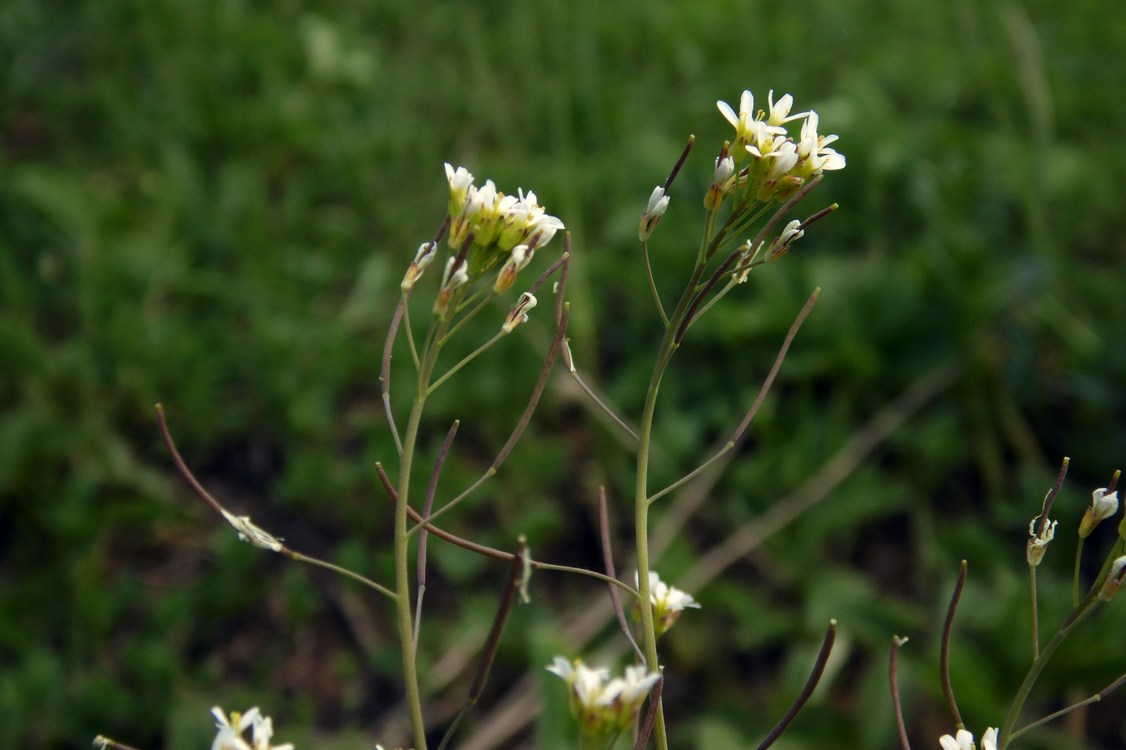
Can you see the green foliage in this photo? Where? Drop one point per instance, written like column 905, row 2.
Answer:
column 210, row 205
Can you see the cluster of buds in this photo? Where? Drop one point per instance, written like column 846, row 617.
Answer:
column 603, row 706
column 777, row 165
column 232, row 728
column 964, row 740
column 486, row 228
column 667, row 603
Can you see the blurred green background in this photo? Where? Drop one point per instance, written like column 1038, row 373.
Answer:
column 210, row 204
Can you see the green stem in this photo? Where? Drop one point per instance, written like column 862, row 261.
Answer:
column 641, row 489
column 1078, row 615
column 402, row 549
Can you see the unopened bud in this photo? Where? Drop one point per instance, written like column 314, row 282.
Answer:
column 1103, row 505
column 421, row 260
column 658, row 204
column 1113, row 580
column 520, row 257
column 450, row 284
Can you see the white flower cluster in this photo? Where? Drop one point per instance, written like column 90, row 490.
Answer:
column 965, row 740
column 779, row 165
column 496, row 220
column 604, row 706
column 231, row 729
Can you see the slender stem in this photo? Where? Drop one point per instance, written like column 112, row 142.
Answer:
column 521, row 424
column 763, row 390
column 1075, row 582
column 402, row 549
column 489, row 652
column 1080, row 613
column 298, row 557
column 650, row 715
column 653, row 283
column 1075, row 706
column 608, row 562
column 893, row 679
column 385, row 371
column 641, row 490
column 807, row 689
column 410, row 336
column 944, row 658
column 1035, row 612
column 468, row 358
column 427, row 504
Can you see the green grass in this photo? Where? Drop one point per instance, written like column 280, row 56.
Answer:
column 210, row 205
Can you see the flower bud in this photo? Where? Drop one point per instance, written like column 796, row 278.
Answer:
column 1113, row 580
column 1103, row 505
column 658, row 204
column 421, row 260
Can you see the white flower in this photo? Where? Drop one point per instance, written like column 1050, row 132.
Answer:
column 604, row 706
column 231, row 728
column 780, row 110
column 422, row 259
column 964, row 741
column 461, row 182
column 248, row 532
column 813, row 148
column 667, row 603
column 1038, row 540
column 989, row 739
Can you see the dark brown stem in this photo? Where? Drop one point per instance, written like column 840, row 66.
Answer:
column 680, row 162
column 650, row 715
column 492, row 643
column 608, row 560
column 893, row 679
column 427, row 504
column 807, row 691
column 182, row 467
column 944, row 658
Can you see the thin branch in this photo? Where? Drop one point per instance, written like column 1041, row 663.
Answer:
column 765, row 389
column 807, row 691
column 893, row 679
column 653, row 283
column 521, row 424
column 680, row 162
column 492, row 643
column 465, row 360
column 608, row 561
column 492, row 552
column 1064, row 711
column 720, row 272
column 215, row 505
column 427, row 504
column 385, row 371
column 944, row 658
column 651, row 714
column 519, row 707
